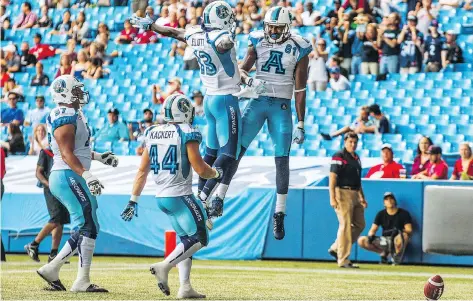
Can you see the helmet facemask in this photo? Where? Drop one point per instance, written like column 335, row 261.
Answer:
column 276, row 33
column 79, row 95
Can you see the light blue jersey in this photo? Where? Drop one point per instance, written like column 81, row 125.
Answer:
column 218, row 71
column 276, row 63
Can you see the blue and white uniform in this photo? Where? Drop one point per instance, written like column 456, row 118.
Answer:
column 172, row 173
column 411, row 55
column 220, row 77
column 66, row 185
column 276, row 65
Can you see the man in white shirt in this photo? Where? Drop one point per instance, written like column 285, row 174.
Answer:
column 37, row 115
column 425, row 16
column 338, row 82
column 198, row 99
column 310, row 16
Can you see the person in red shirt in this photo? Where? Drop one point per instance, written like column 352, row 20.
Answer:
column 4, row 76
column 127, row 35
column 388, row 169
column 174, row 86
column 438, row 169
column 41, row 51
column 463, row 169
column 146, row 37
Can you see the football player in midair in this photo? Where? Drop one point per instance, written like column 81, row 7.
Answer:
column 72, row 183
column 281, row 70
column 172, row 151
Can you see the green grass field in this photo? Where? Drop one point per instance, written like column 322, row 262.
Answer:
column 129, row 279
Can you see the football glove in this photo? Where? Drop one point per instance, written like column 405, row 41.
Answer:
column 107, row 158
column 257, row 85
column 130, row 210
column 94, row 185
column 299, row 135
column 142, row 23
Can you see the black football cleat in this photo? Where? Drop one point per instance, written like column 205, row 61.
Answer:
column 216, row 208
column 278, row 225
column 53, row 285
column 93, row 288
column 349, row 266
column 333, row 253
column 383, row 260
column 32, row 251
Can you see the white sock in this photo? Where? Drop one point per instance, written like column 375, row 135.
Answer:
column 179, row 254
column 86, row 252
column 280, row 203
column 185, row 271
column 221, row 191
column 63, row 255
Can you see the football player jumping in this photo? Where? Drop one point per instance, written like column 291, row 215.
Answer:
column 214, row 46
column 281, row 70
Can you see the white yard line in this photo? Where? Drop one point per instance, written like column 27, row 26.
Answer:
column 131, row 266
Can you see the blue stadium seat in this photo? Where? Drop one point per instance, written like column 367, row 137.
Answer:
column 121, row 148
column 412, row 111
column 430, row 110
column 450, row 110
column 442, row 101
column 449, row 129
column 332, row 145
column 337, row 111
column 454, row 139
column 102, row 146
column 392, row 138
column 461, row 119
column 297, row 152
column 399, row 120
column 461, row 101
column 466, row 129
column 426, row 129
column 406, row 129
column 320, row 111
column 439, row 119
column 255, row 152
column 316, row 152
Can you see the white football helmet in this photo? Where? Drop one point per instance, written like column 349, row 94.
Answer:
column 179, row 109
column 218, row 15
column 277, row 16
column 68, row 89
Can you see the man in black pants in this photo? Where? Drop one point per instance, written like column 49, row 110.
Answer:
column 58, row 213
column 397, row 228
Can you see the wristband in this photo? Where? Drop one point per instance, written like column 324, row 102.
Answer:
column 134, row 198
column 301, row 90
column 300, row 124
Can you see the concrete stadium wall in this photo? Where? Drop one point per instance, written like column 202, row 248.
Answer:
column 311, row 224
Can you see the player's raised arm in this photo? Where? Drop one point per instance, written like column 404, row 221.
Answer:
column 147, row 23
column 198, row 164
column 138, row 185
column 301, row 75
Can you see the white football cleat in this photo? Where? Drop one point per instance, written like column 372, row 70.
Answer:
column 51, row 276
column 161, row 272
column 187, row 292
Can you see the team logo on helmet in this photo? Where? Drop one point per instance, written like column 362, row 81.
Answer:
column 222, row 11
column 59, row 86
column 183, row 105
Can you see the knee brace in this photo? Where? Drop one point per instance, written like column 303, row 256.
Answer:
column 282, row 174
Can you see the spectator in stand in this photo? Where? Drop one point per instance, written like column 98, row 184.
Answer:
column 71, row 50
column 80, row 27
column 463, row 169
column 138, row 5
column 40, row 79
column 468, row 5
column 182, row 22
column 411, row 41
column 449, row 4
column 26, row 59
column 12, row 87
column 345, row 36
column 114, row 130
column 359, row 126
column 318, row 76
column 425, row 16
column 5, row 25
column 45, row 21
column 381, row 123
column 12, row 59
column 370, row 56
column 389, row 169
column 64, row 26
column 451, row 52
column 102, row 29
column 172, row 20
column 150, row 13
column 80, row 4
column 12, row 114
column 422, row 158
column 334, row 12
column 338, row 82
column 14, row 143
column 27, row 18
column 146, row 37
column 42, row 51
column 127, row 35
column 359, row 6
column 387, row 41
column 163, row 16
column 4, row 76
column 311, row 17
column 65, row 66
column 39, row 114
column 434, row 43
column 174, row 86
column 437, row 169
column 148, row 120
column 39, row 141
column 81, row 65
column 3, row 13
column 357, row 50
column 94, row 71
column 397, row 228
column 198, row 99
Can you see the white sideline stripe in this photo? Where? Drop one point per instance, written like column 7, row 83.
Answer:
column 120, row 266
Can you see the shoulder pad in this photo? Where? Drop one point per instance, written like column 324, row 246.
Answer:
column 61, row 116
column 255, row 37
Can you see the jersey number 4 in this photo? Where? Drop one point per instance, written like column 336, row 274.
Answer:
column 169, row 161
column 205, row 63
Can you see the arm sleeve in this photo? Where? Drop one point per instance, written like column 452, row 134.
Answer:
column 336, row 164
column 41, row 158
column 378, row 220
column 195, row 135
column 407, row 218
